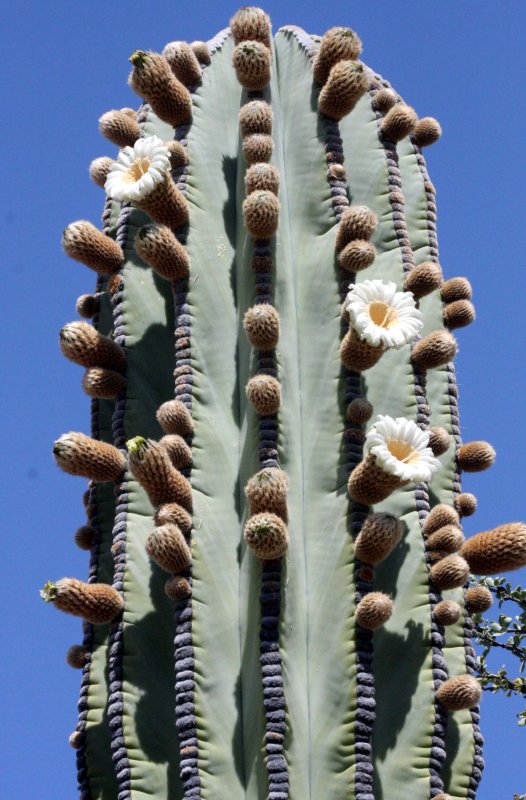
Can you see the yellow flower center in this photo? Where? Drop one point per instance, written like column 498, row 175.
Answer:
column 139, row 168
column 403, row 451
column 382, row 315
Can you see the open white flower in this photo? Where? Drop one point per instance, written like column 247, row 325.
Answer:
column 381, row 316
column 138, row 170
column 401, row 448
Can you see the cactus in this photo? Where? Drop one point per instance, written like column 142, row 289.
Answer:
column 231, row 480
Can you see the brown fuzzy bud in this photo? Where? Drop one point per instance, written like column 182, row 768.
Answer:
column 177, row 588
column 179, row 452
column 264, row 394
column 78, row 454
column 106, row 384
column 167, row 546
column 267, row 536
column 77, row 656
column 434, row 350
column 427, row 131
column 447, row 612
column 346, row 83
column 436, row 555
column 465, row 504
column 373, row 610
column 439, row 440
column 201, row 52
column 357, row 255
column 478, row 599
column 475, row 456
column 398, row 123
column 423, row 279
column 440, row 516
column 461, row 692
column 261, row 323
column 87, row 305
column 177, row 154
column 251, row 23
column 85, row 537
column 166, row 205
column 358, row 355
column 502, row 549
column 456, row 289
column 261, row 214
column 450, row 572
column 448, row 539
column 255, row 117
column 257, row 148
column 153, row 79
column 262, row 178
column 368, row 484
column 120, row 128
column 151, row 465
column 184, row 63
column 174, row 417
column 385, row 99
column 174, row 514
column 357, row 222
column 459, row 314
column 337, row 44
column 115, row 284
column 378, row 537
column 97, row 603
column 99, row 168
column 266, row 491
column 359, row 411
column 252, row 62
column 157, row 245
column 84, row 242
column 76, row 739
column 84, row 345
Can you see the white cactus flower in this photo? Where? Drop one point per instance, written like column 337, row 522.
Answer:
column 381, row 316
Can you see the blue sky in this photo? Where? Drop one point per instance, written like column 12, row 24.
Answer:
column 63, row 65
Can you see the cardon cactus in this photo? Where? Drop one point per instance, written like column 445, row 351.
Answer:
column 249, row 653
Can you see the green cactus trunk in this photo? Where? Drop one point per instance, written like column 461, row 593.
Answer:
column 277, row 691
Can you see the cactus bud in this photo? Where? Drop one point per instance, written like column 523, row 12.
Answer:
column 99, row 168
column 261, row 214
column 179, row 452
column 264, row 394
column 357, row 255
column 373, row 610
column 434, row 350
column 479, row 599
column 167, row 546
column 151, row 465
column 398, row 123
column 385, row 99
column 201, row 52
column 157, row 245
column 255, row 117
column 174, row 514
column 461, row 692
column 177, row 588
column 465, row 504
column 499, row 550
column 97, row 603
column 177, row 154
column 103, row 383
column 346, row 83
column 262, row 178
column 251, row 23
column 87, row 305
column 456, row 289
column 266, row 491
column 257, row 148
column 337, row 44
column 427, row 131
column 357, row 222
column 267, row 536
column 261, row 323
column 448, row 539
column 153, row 79
column 120, row 128
column 423, row 279
column 359, row 411
column 475, row 456
column 77, row 656
column 440, row 516
column 174, row 417
column 184, row 63
column 369, row 484
column 78, row 454
column 85, row 537
column 450, row 572
column 252, row 61
column 76, row 739
column 83, row 242
column 358, row 355
column 439, row 440
column 459, row 314
column 378, row 537
column 447, row 612
column 84, row 345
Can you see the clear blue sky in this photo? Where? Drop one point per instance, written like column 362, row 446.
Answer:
column 63, row 65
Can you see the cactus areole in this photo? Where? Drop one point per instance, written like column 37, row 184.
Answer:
column 273, row 663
